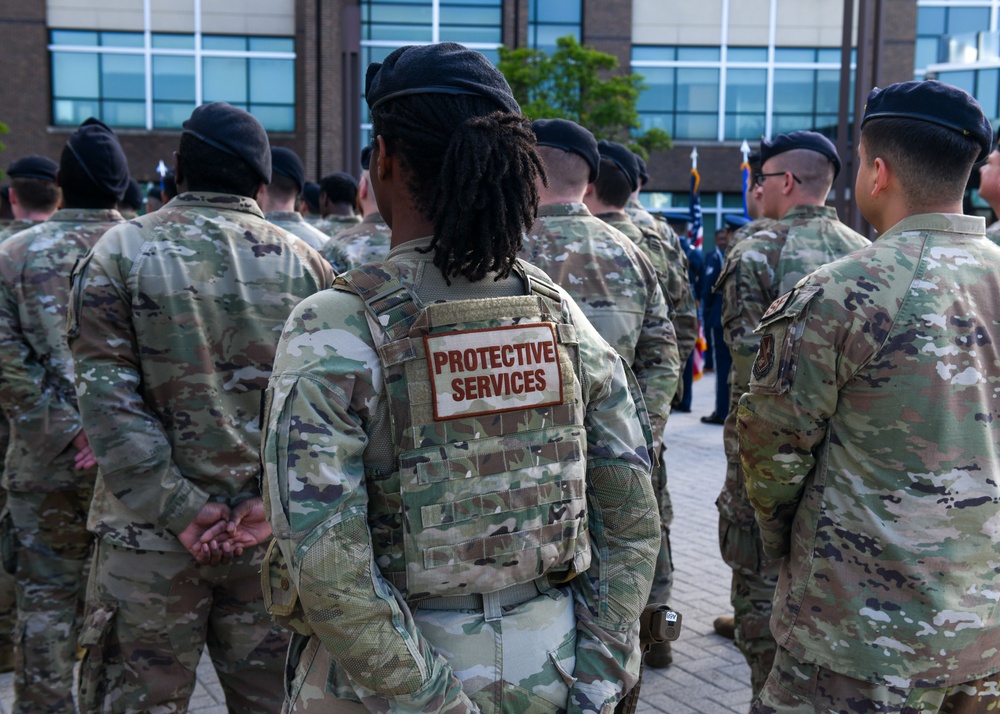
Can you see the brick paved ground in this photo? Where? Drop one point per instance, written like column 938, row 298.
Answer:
column 708, row 674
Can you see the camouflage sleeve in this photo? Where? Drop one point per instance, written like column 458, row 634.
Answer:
column 133, row 451
column 335, row 254
column 803, row 360
column 624, row 529
column 657, row 364
column 672, row 266
column 746, row 285
column 45, row 419
column 326, row 382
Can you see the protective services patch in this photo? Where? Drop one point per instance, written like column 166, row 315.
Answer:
column 476, row 372
column 765, row 357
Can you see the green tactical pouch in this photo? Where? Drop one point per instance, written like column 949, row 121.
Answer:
column 280, row 596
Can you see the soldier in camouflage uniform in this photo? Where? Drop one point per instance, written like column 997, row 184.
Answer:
column 869, row 436
column 797, row 173
column 34, row 197
column 173, row 328
column 278, row 199
column 49, row 469
column 368, row 241
column 338, row 197
column 606, row 198
column 989, row 190
column 34, row 194
column 457, row 542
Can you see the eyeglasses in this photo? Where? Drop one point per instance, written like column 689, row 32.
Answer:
column 758, row 179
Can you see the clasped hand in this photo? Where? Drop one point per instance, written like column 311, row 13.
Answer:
column 218, row 533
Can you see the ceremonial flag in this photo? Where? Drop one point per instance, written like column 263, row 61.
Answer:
column 696, row 233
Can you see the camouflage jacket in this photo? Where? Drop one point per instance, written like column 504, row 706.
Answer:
column 760, row 224
column 16, row 226
column 757, row 271
column 294, row 223
column 869, row 441
column 36, row 368
column 616, row 288
column 663, row 248
column 329, row 449
column 993, row 232
column 173, row 327
column 334, row 224
column 366, row 242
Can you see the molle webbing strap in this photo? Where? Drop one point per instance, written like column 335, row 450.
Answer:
column 386, row 298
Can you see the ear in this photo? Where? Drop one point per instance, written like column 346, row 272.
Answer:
column 178, row 172
column 882, row 176
column 13, row 193
column 789, row 184
column 363, row 188
column 385, row 162
column 590, row 191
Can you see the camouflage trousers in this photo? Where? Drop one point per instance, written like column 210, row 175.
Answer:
column 754, row 581
column 150, row 615
column 663, row 574
column 519, row 664
column 53, row 552
column 8, row 600
column 797, row 687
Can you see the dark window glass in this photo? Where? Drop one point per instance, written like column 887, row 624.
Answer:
column 794, row 54
column 272, row 81
column 123, row 77
column 76, row 75
column 122, row 39
column 173, row 78
column 968, row 19
column 745, row 103
column 657, row 54
column 74, row 37
column 173, row 42
column 698, row 54
column 275, row 118
column 271, row 44
column 129, row 114
column 931, row 20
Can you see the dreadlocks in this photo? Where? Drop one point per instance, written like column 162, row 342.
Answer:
column 473, row 172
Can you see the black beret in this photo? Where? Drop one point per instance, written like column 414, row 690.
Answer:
column 444, row 68
column 735, row 220
column 808, row 140
column 643, row 174
column 623, row 158
column 99, row 154
column 34, row 167
column 569, row 136
column 234, row 131
column 933, row 102
column 310, row 192
column 366, row 157
column 287, row 163
column 133, row 195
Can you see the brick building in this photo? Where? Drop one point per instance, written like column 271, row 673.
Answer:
column 718, row 71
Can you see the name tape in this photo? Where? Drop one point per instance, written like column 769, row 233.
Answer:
column 475, row 372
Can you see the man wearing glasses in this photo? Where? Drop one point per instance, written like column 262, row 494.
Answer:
column 796, row 174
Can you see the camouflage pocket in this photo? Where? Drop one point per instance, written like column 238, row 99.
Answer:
column 739, row 547
column 102, row 669
column 281, row 599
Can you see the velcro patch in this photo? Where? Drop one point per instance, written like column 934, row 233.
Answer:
column 765, row 357
column 778, row 305
column 476, row 372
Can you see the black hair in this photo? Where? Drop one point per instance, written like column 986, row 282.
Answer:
column 78, row 189
column 930, row 162
column 206, row 168
column 612, row 185
column 170, row 185
column 339, row 188
column 36, row 194
column 472, row 174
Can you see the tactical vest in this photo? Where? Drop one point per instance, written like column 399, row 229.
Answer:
column 487, row 420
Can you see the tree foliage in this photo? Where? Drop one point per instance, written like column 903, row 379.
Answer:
column 579, row 83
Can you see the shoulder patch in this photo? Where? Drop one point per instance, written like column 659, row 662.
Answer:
column 791, row 304
column 765, row 357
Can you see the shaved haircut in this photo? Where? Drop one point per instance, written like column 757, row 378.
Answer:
column 813, row 169
column 567, row 171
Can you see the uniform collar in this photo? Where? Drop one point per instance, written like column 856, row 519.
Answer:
column 576, row 208
column 218, row 201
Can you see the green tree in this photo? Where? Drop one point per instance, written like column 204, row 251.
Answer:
column 578, row 83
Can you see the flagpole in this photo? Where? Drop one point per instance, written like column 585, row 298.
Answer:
column 696, row 231
column 745, row 171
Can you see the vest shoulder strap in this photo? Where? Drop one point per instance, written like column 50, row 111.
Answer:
column 386, row 299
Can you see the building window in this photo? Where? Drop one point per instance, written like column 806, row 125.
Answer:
column 388, row 24
column 552, row 19
column 695, row 95
column 155, row 80
column 941, row 24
